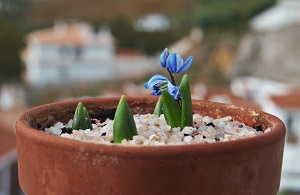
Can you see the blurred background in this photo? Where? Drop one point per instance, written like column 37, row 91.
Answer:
column 245, row 53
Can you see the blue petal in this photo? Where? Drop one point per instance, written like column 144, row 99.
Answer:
column 172, row 62
column 185, row 65
column 156, row 90
column 163, row 57
column 156, row 79
column 174, row 91
column 159, row 82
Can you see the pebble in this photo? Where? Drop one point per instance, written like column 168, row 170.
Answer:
column 153, row 130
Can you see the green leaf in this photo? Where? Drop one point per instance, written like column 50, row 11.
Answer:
column 124, row 125
column 81, row 119
column 186, row 103
column 75, row 123
column 81, row 116
column 87, row 118
column 158, row 110
column 172, row 110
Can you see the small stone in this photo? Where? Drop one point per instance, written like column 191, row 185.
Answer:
column 67, row 130
column 66, row 135
column 229, row 137
column 153, row 137
column 187, row 139
column 207, row 119
column 153, row 130
column 165, row 127
column 258, row 128
column 188, row 130
column 211, row 131
column 56, row 131
column 267, row 130
column 210, row 124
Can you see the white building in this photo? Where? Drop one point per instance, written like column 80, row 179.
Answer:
column 73, row 52
column 283, row 14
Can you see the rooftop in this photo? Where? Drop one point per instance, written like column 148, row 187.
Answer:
column 71, row 33
column 283, row 14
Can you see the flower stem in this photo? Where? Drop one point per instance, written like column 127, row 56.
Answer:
column 172, row 77
column 173, row 83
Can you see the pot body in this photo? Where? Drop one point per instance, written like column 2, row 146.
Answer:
column 55, row 165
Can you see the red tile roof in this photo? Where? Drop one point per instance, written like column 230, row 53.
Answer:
column 75, row 34
column 68, row 36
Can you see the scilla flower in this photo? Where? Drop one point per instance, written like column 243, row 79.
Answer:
column 174, row 62
column 159, row 82
column 163, row 58
column 176, row 102
column 176, row 65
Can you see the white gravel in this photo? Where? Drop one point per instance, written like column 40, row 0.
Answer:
column 153, row 130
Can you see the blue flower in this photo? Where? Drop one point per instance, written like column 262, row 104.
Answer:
column 163, row 58
column 174, row 91
column 175, row 64
column 159, row 82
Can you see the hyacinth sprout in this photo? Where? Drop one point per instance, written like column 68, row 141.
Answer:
column 81, row 119
column 124, row 125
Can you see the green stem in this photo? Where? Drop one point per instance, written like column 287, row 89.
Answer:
column 172, row 77
column 173, row 83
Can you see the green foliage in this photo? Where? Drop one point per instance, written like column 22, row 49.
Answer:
column 177, row 113
column 152, row 42
column 171, row 109
column 124, row 125
column 158, row 110
column 147, row 42
column 126, row 36
column 228, row 13
column 14, row 11
column 87, row 118
column 81, row 119
column 186, row 103
column 11, row 42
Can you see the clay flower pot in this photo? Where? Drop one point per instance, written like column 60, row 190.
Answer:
column 53, row 165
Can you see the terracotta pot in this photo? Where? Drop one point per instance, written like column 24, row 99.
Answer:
column 55, row 165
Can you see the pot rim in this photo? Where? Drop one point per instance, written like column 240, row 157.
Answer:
column 23, row 129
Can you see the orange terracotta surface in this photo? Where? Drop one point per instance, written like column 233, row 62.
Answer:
column 55, row 165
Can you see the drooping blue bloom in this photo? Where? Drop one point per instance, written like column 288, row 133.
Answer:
column 175, row 64
column 174, row 91
column 159, row 82
column 163, row 57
